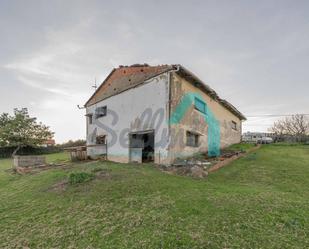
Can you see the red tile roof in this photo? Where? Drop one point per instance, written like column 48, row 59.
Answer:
column 124, row 78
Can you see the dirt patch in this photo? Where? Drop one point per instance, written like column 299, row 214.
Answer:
column 59, row 186
column 192, row 170
column 99, row 174
column 102, row 174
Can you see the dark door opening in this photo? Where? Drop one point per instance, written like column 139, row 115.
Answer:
column 142, row 146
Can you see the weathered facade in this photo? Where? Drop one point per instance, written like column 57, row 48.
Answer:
column 142, row 113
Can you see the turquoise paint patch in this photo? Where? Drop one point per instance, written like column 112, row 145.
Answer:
column 200, row 105
column 209, row 117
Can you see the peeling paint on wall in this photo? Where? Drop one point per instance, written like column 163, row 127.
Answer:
column 167, row 104
column 142, row 108
column 213, row 124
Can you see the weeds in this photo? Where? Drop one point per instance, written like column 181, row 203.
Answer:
column 80, row 177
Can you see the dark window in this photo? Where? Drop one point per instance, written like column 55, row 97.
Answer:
column 90, row 118
column 100, row 112
column 192, row 139
column 234, row 125
column 200, row 105
column 101, row 139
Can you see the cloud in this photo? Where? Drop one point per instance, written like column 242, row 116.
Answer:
column 33, row 82
column 253, row 54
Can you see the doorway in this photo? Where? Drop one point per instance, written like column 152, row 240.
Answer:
column 141, row 146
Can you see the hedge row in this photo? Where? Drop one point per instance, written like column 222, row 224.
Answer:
column 7, row 151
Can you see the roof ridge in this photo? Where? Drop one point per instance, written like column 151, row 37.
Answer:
column 138, row 76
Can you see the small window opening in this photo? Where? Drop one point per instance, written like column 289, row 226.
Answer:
column 192, row 139
column 100, row 112
column 101, row 139
column 90, row 118
column 200, row 105
column 234, row 125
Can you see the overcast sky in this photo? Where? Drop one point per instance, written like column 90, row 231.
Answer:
column 255, row 54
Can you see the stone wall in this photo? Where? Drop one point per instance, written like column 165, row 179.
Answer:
column 28, row 161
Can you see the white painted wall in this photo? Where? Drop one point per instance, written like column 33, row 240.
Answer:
column 129, row 106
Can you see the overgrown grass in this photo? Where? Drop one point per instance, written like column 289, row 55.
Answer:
column 80, row 177
column 259, row 201
column 58, row 157
column 240, row 147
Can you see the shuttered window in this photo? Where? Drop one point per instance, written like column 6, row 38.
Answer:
column 200, row 105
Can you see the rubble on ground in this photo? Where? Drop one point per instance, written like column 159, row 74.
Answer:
column 199, row 167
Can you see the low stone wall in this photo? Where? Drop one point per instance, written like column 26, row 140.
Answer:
column 231, row 159
column 28, row 161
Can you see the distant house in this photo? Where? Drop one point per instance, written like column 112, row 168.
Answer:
column 160, row 113
column 255, row 137
column 48, row 143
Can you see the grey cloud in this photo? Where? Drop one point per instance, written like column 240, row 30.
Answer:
column 255, row 54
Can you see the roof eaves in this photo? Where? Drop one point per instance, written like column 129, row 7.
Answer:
column 232, row 108
column 138, row 84
column 110, row 74
column 199, row 83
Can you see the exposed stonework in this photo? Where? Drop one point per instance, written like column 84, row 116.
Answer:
column 198, row 172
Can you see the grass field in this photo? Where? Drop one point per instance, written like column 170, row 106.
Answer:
column 259, row 201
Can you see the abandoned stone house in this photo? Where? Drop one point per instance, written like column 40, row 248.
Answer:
column 143, row 113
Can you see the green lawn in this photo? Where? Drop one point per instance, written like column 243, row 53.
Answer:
column 259, row 201
column 241, row 147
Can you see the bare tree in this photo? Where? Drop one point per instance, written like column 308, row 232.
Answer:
column 296, row 126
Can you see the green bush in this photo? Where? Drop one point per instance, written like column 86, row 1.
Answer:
column 80, row 177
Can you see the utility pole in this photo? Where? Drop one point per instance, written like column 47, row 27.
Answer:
column 95, row 89
column 95, row 84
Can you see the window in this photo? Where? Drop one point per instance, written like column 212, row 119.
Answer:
column 200, row 105
column 234, row 125
column 100, row 112
column 90, row 118
column 192, row 139
column 101, row 139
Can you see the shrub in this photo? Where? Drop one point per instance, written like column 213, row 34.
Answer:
column 80, row 177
